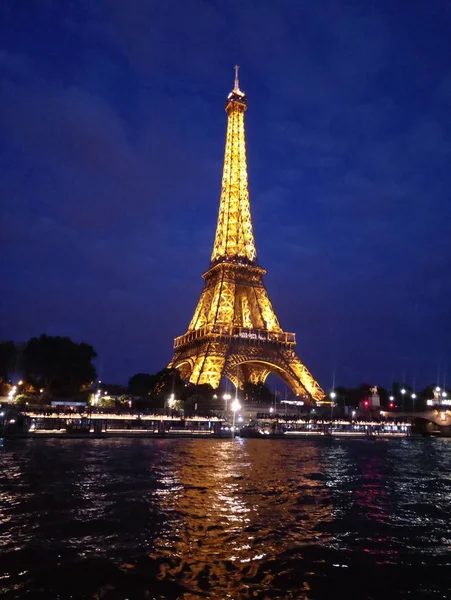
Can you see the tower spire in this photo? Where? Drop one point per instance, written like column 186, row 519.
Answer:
column 237, row 83
column 234, row 233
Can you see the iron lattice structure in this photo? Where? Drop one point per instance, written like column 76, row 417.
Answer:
column 234, row 332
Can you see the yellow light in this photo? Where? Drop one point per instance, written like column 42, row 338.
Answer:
column 234, row 331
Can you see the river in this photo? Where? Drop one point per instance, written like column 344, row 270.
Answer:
column 197, row 518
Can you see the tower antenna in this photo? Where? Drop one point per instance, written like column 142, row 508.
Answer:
column 237, row 83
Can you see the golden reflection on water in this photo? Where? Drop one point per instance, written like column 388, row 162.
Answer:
column 231, row 504
column 224, row 519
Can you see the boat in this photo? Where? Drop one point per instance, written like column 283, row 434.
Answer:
column 251, row 431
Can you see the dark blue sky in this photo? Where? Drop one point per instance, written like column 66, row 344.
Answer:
column 112, row 130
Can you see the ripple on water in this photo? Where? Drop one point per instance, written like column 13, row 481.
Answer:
column 225, row 519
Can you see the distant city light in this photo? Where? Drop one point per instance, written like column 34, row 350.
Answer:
column 236, row 405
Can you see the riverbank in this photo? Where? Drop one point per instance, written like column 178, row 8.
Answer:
column 61, row 434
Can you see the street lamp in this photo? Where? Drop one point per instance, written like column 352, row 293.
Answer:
column 413, row 401
column 403, row 391
column 235, row 406
column 227, row 398
column 332, row 397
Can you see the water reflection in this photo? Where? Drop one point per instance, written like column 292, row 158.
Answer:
column 232, row 504
column 225, row 519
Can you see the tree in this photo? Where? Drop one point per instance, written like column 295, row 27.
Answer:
column 107, row 403
column 25, row 399
column 141, row 384
column 196, row 403
column 8, row 353
column 165, row 381
column 257, row 392
column 397, row 387
column 113, row 389
column 428, row 392
column 124, row 400
column 168, row 382
column 59, row 365
column 203, row 389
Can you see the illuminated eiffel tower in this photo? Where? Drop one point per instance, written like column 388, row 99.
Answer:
column 234, row 332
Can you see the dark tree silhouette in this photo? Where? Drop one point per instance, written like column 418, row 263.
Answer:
column 113, row 389
column 8, row 353
column 59, row 365
column 203, row 389
column 141, row 384
column 166, row 381
column 257, row 392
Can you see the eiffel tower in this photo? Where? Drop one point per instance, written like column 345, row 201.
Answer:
column 234, row 332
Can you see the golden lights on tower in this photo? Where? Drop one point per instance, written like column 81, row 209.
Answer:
column 234, row 332
column 234, row 234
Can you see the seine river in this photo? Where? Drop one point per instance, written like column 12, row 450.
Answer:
column 150, row 519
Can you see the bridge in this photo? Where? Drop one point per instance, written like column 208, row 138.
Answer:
column 440, row 418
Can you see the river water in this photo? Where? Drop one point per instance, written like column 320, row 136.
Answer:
column 305, row 519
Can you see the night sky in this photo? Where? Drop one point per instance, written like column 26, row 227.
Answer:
column 112, row 131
